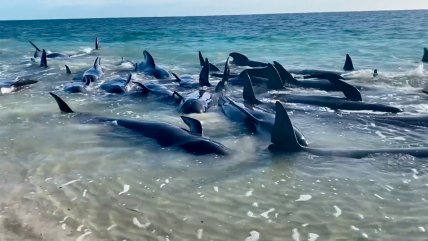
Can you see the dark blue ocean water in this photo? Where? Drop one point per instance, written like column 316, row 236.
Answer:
column 63, row 180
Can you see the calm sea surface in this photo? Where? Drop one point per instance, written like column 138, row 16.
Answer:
column 63, row 180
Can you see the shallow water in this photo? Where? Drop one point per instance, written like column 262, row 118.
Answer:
column 63, row 180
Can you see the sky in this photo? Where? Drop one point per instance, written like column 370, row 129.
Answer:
column 54, row 9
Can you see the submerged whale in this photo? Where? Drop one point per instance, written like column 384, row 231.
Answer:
column 9, row 86
column 116, row 86
column 165, row 134
column 351, row 102
column 242, row 60
column 49, row 54
column 255, row 120
column 284, row 140
column 148, row 67
column 94, row 73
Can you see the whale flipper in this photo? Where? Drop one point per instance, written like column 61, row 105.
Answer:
column 248, row 94
column 97, row 44
column 425, row 57
column 283, row 137
column 239, row 59
column 194, row 125
column 177, row 79
column 67, row 69
column 204, row 75
column 43, row 60
column 349, row 66
column 61, row 104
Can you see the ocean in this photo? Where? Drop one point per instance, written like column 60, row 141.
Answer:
column 64, row 180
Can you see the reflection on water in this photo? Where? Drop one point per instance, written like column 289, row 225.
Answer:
column 64, row 180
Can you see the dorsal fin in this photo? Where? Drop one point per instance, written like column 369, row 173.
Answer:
column 180, row 97
column 194, row 125
column 201, row 59
column 99, row 61
column 425, row 57
column 248, row 94
column 96, row 62
column 61, row 104
column 143, row 87
column 274, row 80
column 97, row 43
column 223, row 83
column 350, row 92
column 177, row 79
column 286, row 77
column 135, row 66
column 204, row 75
column 349, row 66
column 283, row 137
column 44, row 60
column 128, row 79
column 34, row 46
column 238, row 58
column 67, row 69
column 149, row 59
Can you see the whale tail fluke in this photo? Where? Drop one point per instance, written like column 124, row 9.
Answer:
column 283, row 136
column 61, row 104
column 44, row 60
column 248, row 93
column 425, row 57
column 349, row 66
column 204, row 75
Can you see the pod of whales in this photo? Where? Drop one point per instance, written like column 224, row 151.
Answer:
column 165, row 134
column 190, row 94
column 284, row 140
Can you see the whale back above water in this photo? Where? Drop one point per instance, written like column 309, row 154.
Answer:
column 148, row 66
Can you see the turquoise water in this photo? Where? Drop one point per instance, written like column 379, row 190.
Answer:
column 61, row 180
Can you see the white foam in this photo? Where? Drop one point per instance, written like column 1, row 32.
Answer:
column 83, row 236
column 304, row 198
column 137, row 223
column 313, row 236
column 125, row 189
column 338, row 211
column 254, row 236
column 84, row 193
column 266, row 214
column 216, row 188
column 354, row 228
column 70, row 182
column 376, row 195
column 422, row 229
column 111, row 227
column 295, row 235
column 249, row 193
column 200, row 232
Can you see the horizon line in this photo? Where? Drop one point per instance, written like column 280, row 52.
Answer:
column 217, row 15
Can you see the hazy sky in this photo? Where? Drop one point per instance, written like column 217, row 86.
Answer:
column 46, row 9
